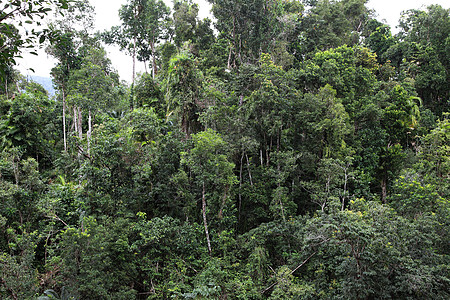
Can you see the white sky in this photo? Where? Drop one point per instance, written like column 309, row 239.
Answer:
column 107, row 16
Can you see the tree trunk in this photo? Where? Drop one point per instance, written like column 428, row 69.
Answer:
column 64, row 120
column 234, row 46
column 261, row 157
column 133, row 75
column 80, row 130
column 80, row 123
column 281, row 206
column 383, row 189
column 248, row 168
column 229, row 59
column 205, row 223
column 89, row 132
column 75, row 121
column 345, row 187
column 240, row 188
column 152, row 45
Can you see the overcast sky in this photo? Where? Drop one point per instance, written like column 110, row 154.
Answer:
column 107, row 16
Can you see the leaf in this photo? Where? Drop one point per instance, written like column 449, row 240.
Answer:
column 42, row 39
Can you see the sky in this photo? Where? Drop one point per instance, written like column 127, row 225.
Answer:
column 107, row 16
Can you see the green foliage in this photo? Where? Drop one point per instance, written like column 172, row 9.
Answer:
column 280, row 159
column 141, row 20
column 211, row 170
column 51, row 294
column 423, row 53
column 330, row 24
column 19, row 277
column 16, row 14
column 366, row 249
column 29, row 124
column 87, row 254
column 184, row 92
column 380, row 39
column 185, row 21
column 411, row 198
column 148, row 93
column 436, row 150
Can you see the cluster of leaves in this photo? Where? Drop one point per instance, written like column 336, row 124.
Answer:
column 300, row 153
column 16, row 15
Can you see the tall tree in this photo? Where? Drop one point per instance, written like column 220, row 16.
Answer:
column 184, row 88
column 249, row 26
column 92, row 87
column 69, row 35
column 144, row 23
column 424, row 40
column 212, row 174
column 185, row 21
column 330, row 24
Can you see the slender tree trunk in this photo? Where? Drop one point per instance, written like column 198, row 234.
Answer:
column 80, row 123
column 345, row 188
column 80, row 130
column 248, row 168
column 383, row 190
column 261, row 156
column 240, row 188
column 75, row 121
column 229, row 58
column 146, row 70
column 234, row 45
column 152, row 45
column 205, row 223
column 282, row 210
column 64, row 120
column 89, row 132
column 134, row 61
column 269, row 151
column 133, row 75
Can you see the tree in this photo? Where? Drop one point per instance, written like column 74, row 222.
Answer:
column 144, row 23
column 184, row 91
column 332, row 183
column 380, row 39
column 249, row 26
column 184, row 21
column 212, row 173
column 422, row 53
column 435, row 147
column 66, row 47
column 330, row 24
column 15, row 14
column 148, row 93
column 368, row 251
column 156, row 26
column 29, row 124
column 92, row 87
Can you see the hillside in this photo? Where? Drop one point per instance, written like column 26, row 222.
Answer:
column 284, row 150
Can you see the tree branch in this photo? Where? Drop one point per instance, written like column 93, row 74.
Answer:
column 292, row 272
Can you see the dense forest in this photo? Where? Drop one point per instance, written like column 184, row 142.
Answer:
column 288, row 149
